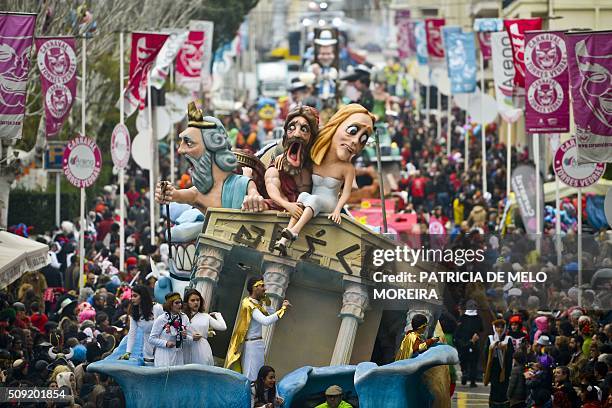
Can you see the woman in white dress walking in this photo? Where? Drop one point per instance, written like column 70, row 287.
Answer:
column 142, row 313
column 170, row 333
column 199, row 351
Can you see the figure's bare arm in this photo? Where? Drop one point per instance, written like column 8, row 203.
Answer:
column 166, row 193
column 349, row 177
column 253, row 201
column 273, row 187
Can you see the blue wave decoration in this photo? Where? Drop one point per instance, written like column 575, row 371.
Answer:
column 402, row 384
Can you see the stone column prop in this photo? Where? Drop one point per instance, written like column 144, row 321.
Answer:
column 276, row 278
column 354, row 303
column 210, row 264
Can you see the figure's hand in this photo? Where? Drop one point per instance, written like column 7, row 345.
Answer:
column 170, row 344
column 315, row 68
column 335, row 217
column 254, row 202
column 286, row 304
column 164, row 192
column 295, row 210
column 197, row 336
column 280, row 401
column 475, row 338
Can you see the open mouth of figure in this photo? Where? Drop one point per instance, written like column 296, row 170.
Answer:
column 191, row 165
column 294, row 154
column 348, row 148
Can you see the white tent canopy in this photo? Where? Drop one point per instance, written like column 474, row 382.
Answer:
column 19, row 255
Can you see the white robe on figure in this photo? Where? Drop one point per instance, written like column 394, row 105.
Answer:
column 254, row 347
column 145, row 326
column 165, row 356
column 199, row 352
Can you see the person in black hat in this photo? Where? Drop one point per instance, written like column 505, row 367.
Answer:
column 467, row 340
column 298, row 91
column 359, row 79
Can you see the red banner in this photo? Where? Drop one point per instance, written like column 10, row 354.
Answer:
column 16, row 35
column 546, row 83
column 189, row 61
column 516, row 31
column 433, row 29
column 57, row 63
column 145, row 47
column 484, row 38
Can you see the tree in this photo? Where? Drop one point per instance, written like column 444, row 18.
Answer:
column 68, row 17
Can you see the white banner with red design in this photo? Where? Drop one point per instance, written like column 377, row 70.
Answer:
column 57, row 63
column 503, row 76
column 145, row 47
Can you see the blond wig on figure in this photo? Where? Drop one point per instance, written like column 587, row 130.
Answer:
column 327, row 132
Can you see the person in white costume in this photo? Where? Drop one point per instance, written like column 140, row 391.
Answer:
column 170, row 332
column 201, row 323
column 142, row 313
column 246, row 349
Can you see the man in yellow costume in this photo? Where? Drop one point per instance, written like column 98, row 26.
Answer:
column 246, row 349
column 414, row 342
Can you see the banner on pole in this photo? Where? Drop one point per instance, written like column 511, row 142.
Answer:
column 57, row 63
column 503, row 76
column 525, row 188
column 516, row 31
column 189, row 61
column 421, row 42
column 145, row 47
column 402, row 23
column 546, row 83
column 461, row 60
column 433, row 27
column 166, row 56
column 16, row 36
column 208, row 28
column 590, row 68
column 484, row 27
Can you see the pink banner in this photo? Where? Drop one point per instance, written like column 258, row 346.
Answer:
column 412, row 44
column 145, row 47
column 546, row 83
column 403, row 37
column 16, row 36
column 590, row 66
column 189, row 61
column 433, row 29
column 57, row 63
column 516, row 31
column 484, row 38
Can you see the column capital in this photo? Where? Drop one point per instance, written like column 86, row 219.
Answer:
column 276, row 278
column 354, row 300
column 210, row 263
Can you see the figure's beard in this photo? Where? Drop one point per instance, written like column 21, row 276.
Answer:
column 294, row 156
column 201, row 172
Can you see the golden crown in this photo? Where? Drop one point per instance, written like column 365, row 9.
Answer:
column 195, row 118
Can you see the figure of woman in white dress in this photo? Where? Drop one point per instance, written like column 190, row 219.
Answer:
column 142, row 313
column 199, row 351
column 170, row 333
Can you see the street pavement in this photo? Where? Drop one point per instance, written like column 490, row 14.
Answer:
column 466, row 397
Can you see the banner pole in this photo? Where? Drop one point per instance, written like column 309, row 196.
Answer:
column 536, row 158
column 466, row 142
column 438, row 115
column 580, row 246
column 82, row 212
column 558, row 219
column 121, row 170
column 427, row 101
column 172, row 136
column 508, row 158
column 58, row 198
column 448, row 124
column 151, row 172
column 483, row 126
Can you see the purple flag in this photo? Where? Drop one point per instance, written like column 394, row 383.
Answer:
column 590, row 65
column 546, row 83
column 16, row 36
column 402, row 22
column 57, row 63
